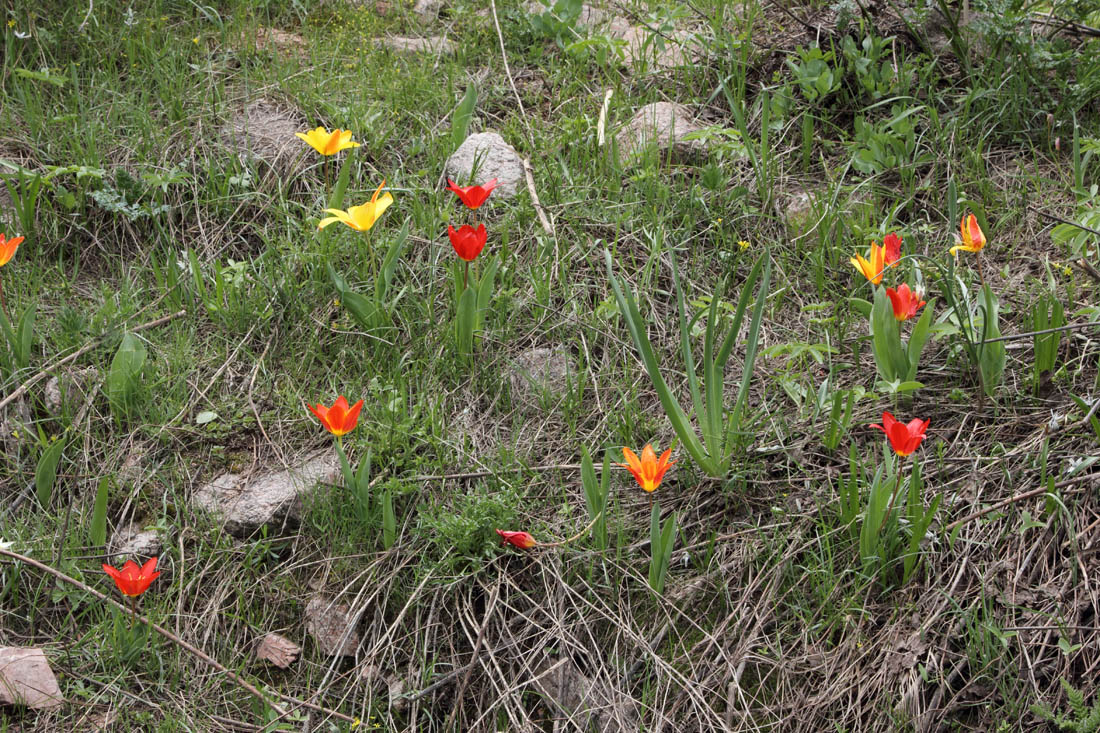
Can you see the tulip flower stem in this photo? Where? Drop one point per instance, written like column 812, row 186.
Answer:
column 3, row 304
column 466, row 276
column 575, row 537
column 890, row 506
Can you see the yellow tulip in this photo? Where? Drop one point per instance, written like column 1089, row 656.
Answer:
column 872, row 270
column 971, row 236
column 360, row 218
column 328, row 143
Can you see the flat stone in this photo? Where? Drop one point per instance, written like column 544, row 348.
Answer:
column 26, row 679
column 541, row 373
column 278, row 650
column 69, row 388
column 404, row 44
column 427, row 9
column 16, row 426
column 664, row 124
column 134, row 542
column 493, row 158
column 246, row 504
column 589, row 15
column 281, row 42
column 265, row 130
column 660, row 53
column 332, row 626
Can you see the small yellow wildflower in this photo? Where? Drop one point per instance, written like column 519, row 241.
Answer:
column 1068, row 270
column 11, row 23
column 195, row 39
column 743, row 244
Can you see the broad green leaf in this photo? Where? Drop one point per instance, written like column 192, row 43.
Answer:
column 45, row 475
column 99, row 514
column 125, row 374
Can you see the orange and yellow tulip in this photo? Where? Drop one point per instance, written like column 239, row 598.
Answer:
column 522, row 540
column 338, row 419
column 360, row 218
column 647, row 470
column 906, row 303
column 8, row 247
column 328, row 143
column 971, row 236
column 132, row 581
column 904, row 437
column 871, row 269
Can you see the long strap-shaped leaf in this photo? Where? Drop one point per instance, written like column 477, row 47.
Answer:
column 675, row 413
column 752, row 344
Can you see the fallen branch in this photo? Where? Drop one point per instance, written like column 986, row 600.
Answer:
column 530, row 176
column 1019, row 497
column 244, row 684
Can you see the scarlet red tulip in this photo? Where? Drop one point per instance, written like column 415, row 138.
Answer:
column 648, row 470
column 472, row 196
column 467, row 241
column 906, row 303
column 132, row 580
column 892, row 243
column 338, row 419
column 522, row 540
column 904, row 437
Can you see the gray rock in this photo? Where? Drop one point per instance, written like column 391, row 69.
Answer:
column 589, row 15
column 483, row 156
column 427, row 9
column 135, row 543
column 26, row 679
column 659, row 53
column 69, row 387
column 404, row 44
column 664, row 124
column 16, row 426
column 541, row 373
column 583, row 700
column 799, row 211
column 332, row 626
column 278, row 650
column 245, row 504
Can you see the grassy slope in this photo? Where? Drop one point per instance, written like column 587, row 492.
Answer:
column 768, row 622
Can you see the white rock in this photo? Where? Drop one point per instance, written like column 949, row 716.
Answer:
column 664, row 124
column 427, row 9
column 493, row 157
column 278, row 650
column 134, row 542
column 71, row 387
column 26, row 679
column 244, row 505
column 404, row 44
column 658, row 53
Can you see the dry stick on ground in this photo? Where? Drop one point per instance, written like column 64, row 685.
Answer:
column 25, row 387
column 508, row 72
column 244, row 684
column 1019, row 497
column 477, row 648
column 530, row 176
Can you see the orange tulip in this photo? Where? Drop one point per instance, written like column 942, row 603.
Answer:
column 971, row 236
column 132, row 580
column 8, row 247
column 647, row 470
column 871, row 269
column 906, row 303
column 904, row 437
column 338, row 419
column 522, row 540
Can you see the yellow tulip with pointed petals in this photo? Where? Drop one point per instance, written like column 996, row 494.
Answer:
column 328, row 143
column 360, row 218
column 971, row 236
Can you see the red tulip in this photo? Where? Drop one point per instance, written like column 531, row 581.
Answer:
column 472, row 196
column 522, row 540
column 338, row 419
column 906, row 303
column 132, row 580
column 892, row 243
column 467, row 241
column 904, row 438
